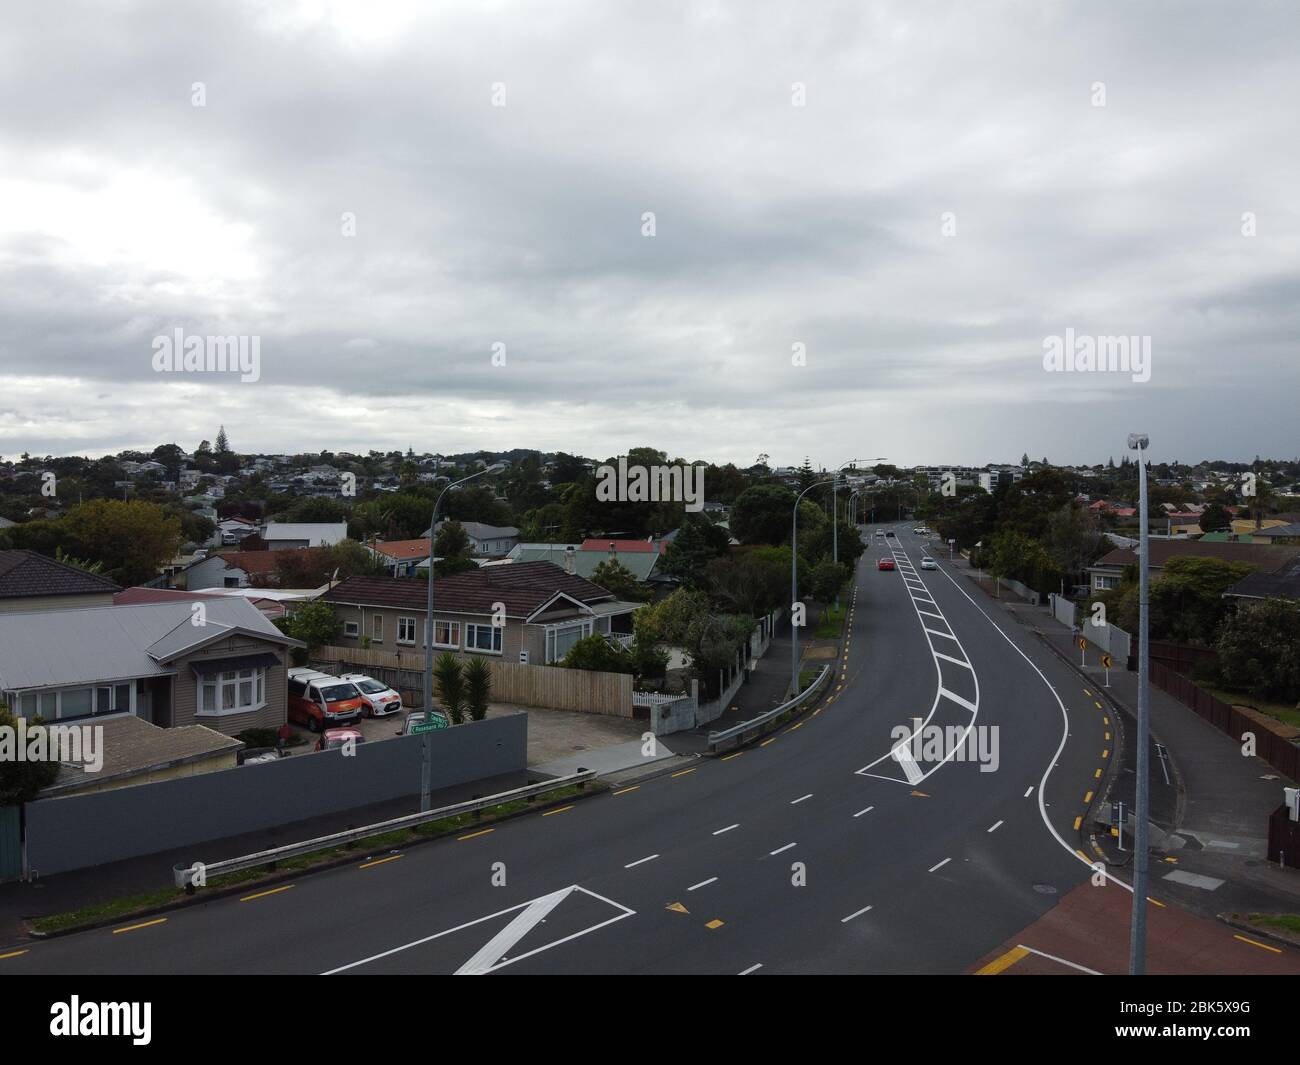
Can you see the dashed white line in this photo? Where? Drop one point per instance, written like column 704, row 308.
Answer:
column 727, row 829
column 780, row 849
column 856, row 913
column 994, row 828
column 796, row 802
column 702, row 883
column 1028, row 792
column 866, row 811
column 939, row 866
column 639, row 861
column 751, row 969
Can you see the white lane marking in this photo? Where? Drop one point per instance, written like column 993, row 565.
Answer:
column 866, row 811
column 945, row 635
column 940, row 692
column 499, row 945
column 1056, row 757
column 755, row 968
column 647, row 858
column 856, row 913
column 796, row 802
column 911, row 770
column 727, row 829
column 703, row 883
column 939, row 866
column 955, row 661
column 994, row 828
column 959, row 700
column 1062, row 961
column 931, row 614
column 625, row 912
column 780, row 849
column 1028, row 792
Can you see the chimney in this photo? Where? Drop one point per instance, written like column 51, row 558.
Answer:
column 568, row 561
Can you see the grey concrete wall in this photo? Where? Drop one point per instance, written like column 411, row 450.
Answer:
column 87, row 830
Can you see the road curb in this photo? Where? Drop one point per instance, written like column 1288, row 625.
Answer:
column 1242, row 926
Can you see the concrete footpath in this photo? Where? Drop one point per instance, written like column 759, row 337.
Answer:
column 1212, row 853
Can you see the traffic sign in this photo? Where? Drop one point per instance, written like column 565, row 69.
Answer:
column 1107, row 661
column 1083, row 643
column 433, row 724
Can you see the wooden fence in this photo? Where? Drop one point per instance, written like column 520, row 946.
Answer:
column 555, row 687
column 1272, row 738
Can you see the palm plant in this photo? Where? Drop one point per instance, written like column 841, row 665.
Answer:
column 478, row 687
column 449, row 683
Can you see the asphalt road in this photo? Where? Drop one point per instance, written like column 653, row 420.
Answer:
column 815, row 852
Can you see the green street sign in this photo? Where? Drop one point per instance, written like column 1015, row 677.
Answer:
column 433, row 724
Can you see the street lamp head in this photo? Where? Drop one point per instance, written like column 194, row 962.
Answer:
column 1138, row 441
column 497, row 467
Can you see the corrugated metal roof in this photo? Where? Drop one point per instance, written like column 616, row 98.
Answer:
column 108, row 643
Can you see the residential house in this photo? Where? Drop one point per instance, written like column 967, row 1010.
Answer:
column 545, row 609
column 218, row 663
column 235, row 569
column 487, row 540
column 281, row 536
column 1281, row 583
column 1286, row 531
column 29, row 582
column 582, row 560
column 233, row 530
column 1106, row 571
column 401, row 557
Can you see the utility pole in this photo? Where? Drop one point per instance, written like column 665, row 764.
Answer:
column 1137, row 958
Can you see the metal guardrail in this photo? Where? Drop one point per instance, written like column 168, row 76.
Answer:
column 746, row 730
column 197, row 874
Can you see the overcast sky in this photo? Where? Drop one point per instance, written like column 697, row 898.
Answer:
column 129, row 213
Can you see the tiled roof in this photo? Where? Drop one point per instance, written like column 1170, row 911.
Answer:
column 402, row 550
column 262, row 563
column 521, row 586
column 25, row 573
column 1266, row 556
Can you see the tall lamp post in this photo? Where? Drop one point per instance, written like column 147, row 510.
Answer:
column 1137, row 956
column 426, row 755
column 794, row 586
column 835, row 514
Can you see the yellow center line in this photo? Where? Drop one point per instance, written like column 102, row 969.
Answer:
column 793, row 727
column 729, row 757
column 1086, row 692
column 1098, row 705
column 547, row 813
column 1088, row 797
column 1108, row 736
column 1106, row 753
column 1097, row 774
column 1105, row 721
column 766, row 742
column 624, row 791
column 263, row 894
column 146, row 924
column 1005, row 962
column 683, row 772
column 1077, row 822
column 475, row 835
column 1157, row 902
column 380, row 861
column 12, row 954
column 1256, row 943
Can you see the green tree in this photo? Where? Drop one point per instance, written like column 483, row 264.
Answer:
column 599, row 654
column 697, row 543
column 132, row 539
column 761, row 514
column 826, row 579
column 478, row 687
column 314, row 623
column 452, row 549
column 1215, row 517
column 449, row 686
column 21, row 781
column 1259, row 650
column 617, row 578
column 1187, row 601
column 755, row 581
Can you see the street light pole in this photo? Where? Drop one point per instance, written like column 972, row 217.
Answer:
column 794, row 587
column 1137, row 957
column 426, row 749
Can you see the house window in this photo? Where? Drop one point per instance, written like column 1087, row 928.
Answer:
column 232, row 692
column 406, row 630
column 559, row 638
column 377, row 628
column 447, row 634
column 1098, row 581
column 485, row 638
column 76, row 702
column 351, row 629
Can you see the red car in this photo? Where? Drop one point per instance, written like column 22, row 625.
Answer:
column 886, row 563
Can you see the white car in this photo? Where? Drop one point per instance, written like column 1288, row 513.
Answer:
column 929, row 563
column 380, row 699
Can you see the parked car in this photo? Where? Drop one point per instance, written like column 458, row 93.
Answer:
column 381, row 700
column 319, row 701
column 334, row 738
column 928, row 563
column 885, row 563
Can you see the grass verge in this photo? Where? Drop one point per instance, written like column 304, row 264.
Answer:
column 143, row 903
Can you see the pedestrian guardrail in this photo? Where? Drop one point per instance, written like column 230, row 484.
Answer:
column 740, row 734
column 197, row 874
